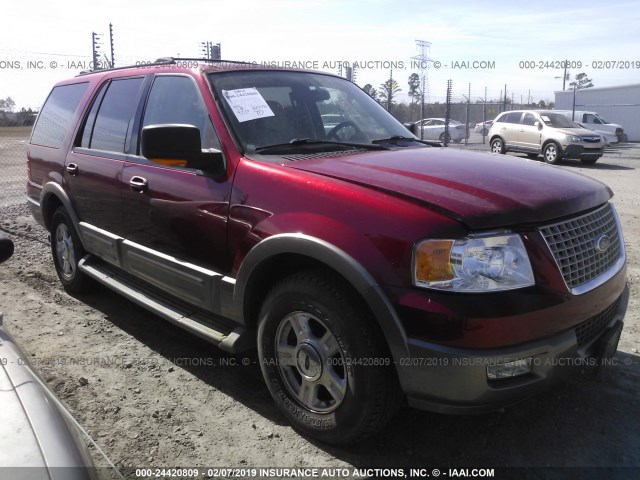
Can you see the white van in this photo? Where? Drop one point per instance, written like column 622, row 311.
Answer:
column 612, row 132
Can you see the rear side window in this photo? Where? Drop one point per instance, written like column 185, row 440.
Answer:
column 57, row 112
column 512, row 117
column 107, row 129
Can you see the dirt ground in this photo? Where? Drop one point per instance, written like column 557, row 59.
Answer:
column 152, row 395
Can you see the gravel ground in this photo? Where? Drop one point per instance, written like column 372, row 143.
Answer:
column 152, row 395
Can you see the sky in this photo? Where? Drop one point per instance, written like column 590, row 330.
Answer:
column 476, row 45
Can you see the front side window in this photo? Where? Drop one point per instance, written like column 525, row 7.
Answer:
column 175, row 100
column 529, row 119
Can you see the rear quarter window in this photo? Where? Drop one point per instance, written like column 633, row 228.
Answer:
column 56, row 114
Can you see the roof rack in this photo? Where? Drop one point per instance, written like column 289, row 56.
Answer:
column 165, row 61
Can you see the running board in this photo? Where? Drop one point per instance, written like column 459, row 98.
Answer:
column 226, row 335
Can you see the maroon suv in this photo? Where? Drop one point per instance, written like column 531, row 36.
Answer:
column 288, row 210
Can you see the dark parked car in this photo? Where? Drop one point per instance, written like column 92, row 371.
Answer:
column 364, row 264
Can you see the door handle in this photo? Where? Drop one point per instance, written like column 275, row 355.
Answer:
column 139, row 184
column 72, row 169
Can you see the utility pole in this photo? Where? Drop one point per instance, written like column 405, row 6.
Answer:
column 484, row 116
column 466, row 116
column 447, row 114
column 424, row 47
column 390, row 91
column 95, row 38
column 211, row 51
column 113, row 64
column 504, row 99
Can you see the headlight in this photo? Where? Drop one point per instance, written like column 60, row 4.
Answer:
column 474, row 264
column 573, row 139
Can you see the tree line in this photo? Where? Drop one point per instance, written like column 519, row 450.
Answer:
column 387, row 95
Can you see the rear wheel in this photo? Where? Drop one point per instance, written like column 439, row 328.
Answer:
column 442, row 137
column 67, row 251
column 552, row 153
column 497, row 146
column 325, row 360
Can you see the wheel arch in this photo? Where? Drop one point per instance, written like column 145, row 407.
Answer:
column 52, row 197
column 561, row 151
column 284, row 254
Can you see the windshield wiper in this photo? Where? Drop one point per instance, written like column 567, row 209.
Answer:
column 296, row 142
column 399, row 138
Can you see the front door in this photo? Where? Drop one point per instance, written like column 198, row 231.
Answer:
column 176, row 213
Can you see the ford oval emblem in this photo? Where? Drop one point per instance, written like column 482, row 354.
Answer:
column 603, row 243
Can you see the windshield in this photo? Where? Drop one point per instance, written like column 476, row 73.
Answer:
column 266, row 108
column 557, row 120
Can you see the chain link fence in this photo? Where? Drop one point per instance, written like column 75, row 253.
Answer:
column 13, row 164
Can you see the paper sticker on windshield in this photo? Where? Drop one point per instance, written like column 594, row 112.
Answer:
column 545, row 118
column 247, row 104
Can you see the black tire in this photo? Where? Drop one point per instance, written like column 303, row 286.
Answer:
column 325, row 360
column 441, row 138
column 67, row 251
column 588, row 161
column 497, row 146
column 552, row 153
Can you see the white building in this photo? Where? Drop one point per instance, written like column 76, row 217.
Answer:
column 619, row 105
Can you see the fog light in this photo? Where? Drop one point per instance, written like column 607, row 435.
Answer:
column 509, row 369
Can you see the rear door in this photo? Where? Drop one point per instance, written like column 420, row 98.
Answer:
column 93, row 167
column 509, row 128
column 176, row 225
column 530, row 136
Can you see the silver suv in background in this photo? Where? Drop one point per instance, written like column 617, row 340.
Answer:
column 541, row 132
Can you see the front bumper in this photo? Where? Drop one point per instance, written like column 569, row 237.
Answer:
column 454, row 380
column 582, row 152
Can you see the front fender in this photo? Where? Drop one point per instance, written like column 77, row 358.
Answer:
column 336, row 259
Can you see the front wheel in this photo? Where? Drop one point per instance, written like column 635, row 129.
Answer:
column 67, row 252
column 551, row 153
column 325, row 360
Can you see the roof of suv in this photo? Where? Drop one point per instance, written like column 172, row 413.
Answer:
column 203, row 64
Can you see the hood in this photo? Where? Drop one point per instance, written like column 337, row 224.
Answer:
column 481, row 190
column 582, row 132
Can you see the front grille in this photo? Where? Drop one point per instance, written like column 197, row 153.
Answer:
column 591, row 139
column 578, row 245
column 591, row 328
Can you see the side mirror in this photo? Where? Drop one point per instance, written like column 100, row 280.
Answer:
column 412, row 127
column 539, row 124
column 179, row 145
column 6, row 248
